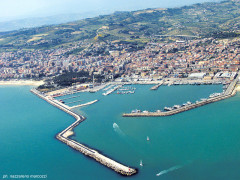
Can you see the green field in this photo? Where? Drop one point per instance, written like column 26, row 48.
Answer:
column 203, row 20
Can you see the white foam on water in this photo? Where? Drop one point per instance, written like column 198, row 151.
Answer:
column 169, row 170
column 117, row 129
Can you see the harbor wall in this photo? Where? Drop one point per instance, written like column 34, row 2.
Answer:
column 117, row 167
column 228, row 93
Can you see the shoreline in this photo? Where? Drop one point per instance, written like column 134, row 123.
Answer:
column 22, row 83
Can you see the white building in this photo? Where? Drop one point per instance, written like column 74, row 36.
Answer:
column 197, row 75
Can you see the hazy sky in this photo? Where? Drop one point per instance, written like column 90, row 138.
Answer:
column 18, row 9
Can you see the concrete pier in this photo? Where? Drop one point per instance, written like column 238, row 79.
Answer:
column 80, row 105
column 228, row 93
column 156, row 86
column 63, row 136
column 112, row 90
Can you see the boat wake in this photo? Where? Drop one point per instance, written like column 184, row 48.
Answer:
column 169, row 170
column 117, row 129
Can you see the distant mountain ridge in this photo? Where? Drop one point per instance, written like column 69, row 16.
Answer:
column 201, row 20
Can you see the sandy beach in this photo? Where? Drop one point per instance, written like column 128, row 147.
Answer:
column 22, row 83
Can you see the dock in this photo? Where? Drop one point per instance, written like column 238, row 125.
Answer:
column 112, row 90
column 157, row 86
column 80, row 105
column 230, row 91
column 63, row 136
column 95, row 89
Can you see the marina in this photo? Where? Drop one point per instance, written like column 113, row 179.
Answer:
column 229, row 92
column 126, row 90
column 112, row 90
column 72, row 102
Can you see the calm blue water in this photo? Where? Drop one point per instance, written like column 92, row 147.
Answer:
column 202, row 143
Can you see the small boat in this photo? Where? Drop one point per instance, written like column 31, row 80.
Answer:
column 61, row 101
column 136, row 111
column 141, row 164
column 176, row 106
column 189, row 103
column 147, row 138
column 168, row 108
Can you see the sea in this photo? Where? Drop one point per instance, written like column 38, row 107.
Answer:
column 200, row 144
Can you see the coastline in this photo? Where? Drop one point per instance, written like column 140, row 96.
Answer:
column 22, row 83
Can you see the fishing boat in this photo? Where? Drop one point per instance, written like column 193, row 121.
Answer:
column 141, row 164
column 168, row 108
column 136, row 111
column 176, row 106
column 147, row 138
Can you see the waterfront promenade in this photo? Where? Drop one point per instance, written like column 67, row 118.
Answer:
column 63, row 136
column 230, row 91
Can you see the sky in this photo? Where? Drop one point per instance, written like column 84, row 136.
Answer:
column 19, row 9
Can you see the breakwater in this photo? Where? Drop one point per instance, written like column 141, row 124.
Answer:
column 230, row 91
column 80, row 105
column 63, row 136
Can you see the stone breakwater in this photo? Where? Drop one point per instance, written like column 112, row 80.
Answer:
column 228, row 93
column 179, row 110
column 63, row 136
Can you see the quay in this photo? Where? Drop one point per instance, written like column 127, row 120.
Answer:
column 230, row 91
column 95, row 88
column 63, row 137
column 156, row 86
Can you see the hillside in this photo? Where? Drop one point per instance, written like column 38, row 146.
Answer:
column 138, row 26
column 41, row 21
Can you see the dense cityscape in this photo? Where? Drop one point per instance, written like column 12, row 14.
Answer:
column 153, row 62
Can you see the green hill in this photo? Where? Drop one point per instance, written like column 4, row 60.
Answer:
column 202, row 20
